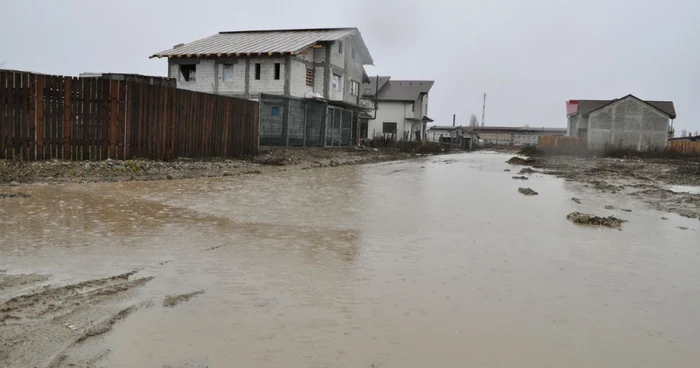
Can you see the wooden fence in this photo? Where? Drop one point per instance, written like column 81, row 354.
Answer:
column 54, row 117
column 686, row 147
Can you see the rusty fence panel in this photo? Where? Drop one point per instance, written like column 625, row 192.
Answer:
column 55, row 117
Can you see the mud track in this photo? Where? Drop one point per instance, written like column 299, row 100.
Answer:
column 42, row 325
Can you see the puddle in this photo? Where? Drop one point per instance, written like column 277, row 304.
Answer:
column 390, row 265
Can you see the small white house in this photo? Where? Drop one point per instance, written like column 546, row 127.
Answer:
column 304, row 63
column 401, row 110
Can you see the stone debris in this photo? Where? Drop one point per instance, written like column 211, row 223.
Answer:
column 173, row 300
column 14, row 195
column 625, row 210
column 527, row 191
column 587, row 219
column 521, row 161
column 609, row 207
column 664, row 218
column 527, row 170
column 520, row 178
column 682, row 227
column 576, row 200
column 506, row 170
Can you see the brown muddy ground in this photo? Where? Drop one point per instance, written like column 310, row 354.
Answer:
column 270, row 160
column 40, row 324
column 667, row 185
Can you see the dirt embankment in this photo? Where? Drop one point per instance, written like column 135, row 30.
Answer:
column 273, row 159
column 653, row 181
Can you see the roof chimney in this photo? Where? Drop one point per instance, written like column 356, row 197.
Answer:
column 178, row 45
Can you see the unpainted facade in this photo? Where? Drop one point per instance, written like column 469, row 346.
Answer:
column 303, row 75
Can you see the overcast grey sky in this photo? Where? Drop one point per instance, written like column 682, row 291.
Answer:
column 529, row 56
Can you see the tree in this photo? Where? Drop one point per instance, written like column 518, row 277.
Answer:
column 684, row 133
column 473, row 121
column 697, row 133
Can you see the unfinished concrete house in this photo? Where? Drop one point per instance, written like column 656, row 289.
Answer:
column 627, row 122
column 307, row 80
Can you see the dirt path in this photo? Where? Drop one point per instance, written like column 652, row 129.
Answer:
column 667, row 185
column 272, row 159
column 44, row 325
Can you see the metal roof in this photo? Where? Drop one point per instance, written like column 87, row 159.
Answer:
column 267, row 42
column 588, row 106
column 398, row 90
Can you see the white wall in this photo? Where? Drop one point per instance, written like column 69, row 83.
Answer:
column 389, row 112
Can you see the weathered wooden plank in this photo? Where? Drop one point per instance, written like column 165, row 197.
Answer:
column 121, row 128
column 67, row 83
column 3, row 103
column 31, row 144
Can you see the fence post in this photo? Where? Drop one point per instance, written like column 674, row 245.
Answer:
column 306, row 116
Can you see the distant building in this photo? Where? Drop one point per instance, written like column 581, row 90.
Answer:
column 515, row 136
column 401, row 111
column 689, row 138
column 625, row 122
column 459, row 137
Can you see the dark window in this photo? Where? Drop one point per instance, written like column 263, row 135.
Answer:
column 309, row 77
column 389, row 128
column 258, row 66
column 352, row 52
column 275, row 111
column 278, row 68
column 188, row 72
column 413, row 106
column 340, row 47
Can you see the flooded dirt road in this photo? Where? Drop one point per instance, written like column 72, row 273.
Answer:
column 434, row 262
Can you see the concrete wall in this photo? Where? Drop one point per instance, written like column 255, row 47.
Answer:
column 298, row 87
column 267, row 82
column 236, row 87
column 628, row 123
column 204, row 80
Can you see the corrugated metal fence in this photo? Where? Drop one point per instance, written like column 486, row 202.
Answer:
column 46, row 117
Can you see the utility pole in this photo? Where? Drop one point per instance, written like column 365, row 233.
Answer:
column 483, row 111
column 454, row 119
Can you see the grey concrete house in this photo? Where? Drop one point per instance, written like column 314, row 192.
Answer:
column 625, row 122
column 305, row 63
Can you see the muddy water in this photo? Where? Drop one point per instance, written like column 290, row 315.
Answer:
column 439, row 262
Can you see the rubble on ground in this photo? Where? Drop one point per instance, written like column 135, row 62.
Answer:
column 14, row 195
column 527, row 170
column 609, row 207
column 587, row 219
column 521, row 161
column 527, row 191
column 576, row 200
column 520, row 178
